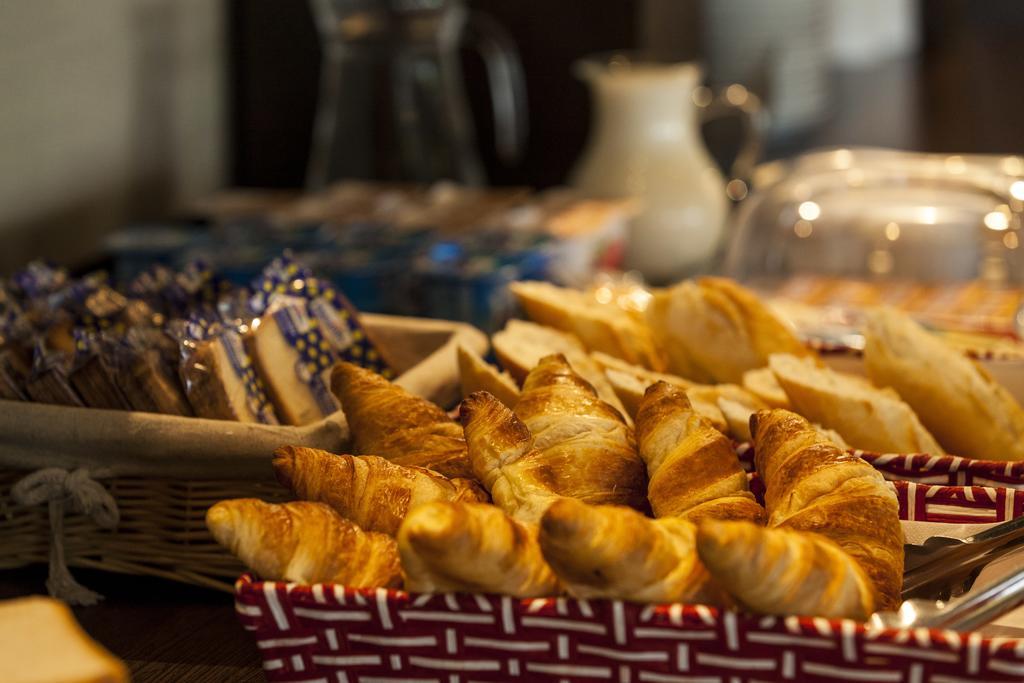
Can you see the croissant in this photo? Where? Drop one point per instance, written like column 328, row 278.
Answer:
column 472, row 547
column 368, row 490
column 610, row 551
column 782, row 571
column 813, row 485
column 304, row 542
column 630, row 381
column 521, row 345
column 693, row 469
column 561, row 441
column 388, row 421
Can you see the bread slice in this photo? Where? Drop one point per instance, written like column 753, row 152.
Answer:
column 738, row 417
column 277, row 362
column 865, row 416
column 476, row 374
column 521, row 345
column 957, row 400
column 715, row 330
column 762, row 383
column 631, row 381
column 40, row 642
column 600, row 327
column 630, row 390
column 215, row 389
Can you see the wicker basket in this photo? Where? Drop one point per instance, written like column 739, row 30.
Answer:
column 164, row 472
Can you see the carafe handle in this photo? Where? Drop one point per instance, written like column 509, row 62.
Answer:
column 736, row 100
column 507, row 85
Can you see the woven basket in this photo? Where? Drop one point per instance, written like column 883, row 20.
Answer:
column 327, row 632
column 164, row 472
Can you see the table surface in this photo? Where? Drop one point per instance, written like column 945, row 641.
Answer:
column 163, row 630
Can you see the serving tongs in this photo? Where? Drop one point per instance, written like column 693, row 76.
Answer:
column 941, row 570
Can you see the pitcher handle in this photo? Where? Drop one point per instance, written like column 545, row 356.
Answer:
column 507, row 85
column 735, row 99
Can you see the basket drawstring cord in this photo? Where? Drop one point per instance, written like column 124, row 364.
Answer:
column 56, row 487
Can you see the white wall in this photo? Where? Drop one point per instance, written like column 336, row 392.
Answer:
column 110, row 110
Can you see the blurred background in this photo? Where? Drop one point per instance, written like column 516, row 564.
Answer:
column 137, row 112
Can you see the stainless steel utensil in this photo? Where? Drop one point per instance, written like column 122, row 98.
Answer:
column 969, row 613
column 942, row 568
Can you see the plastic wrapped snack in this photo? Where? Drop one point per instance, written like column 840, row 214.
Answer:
column 294, row 358
column 93, row 373
column 219, row 376
column 336, row 318
column 48, row 380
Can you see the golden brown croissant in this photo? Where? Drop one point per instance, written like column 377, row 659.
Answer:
column 304, row 542
column 782, row 571
column 521, row 345
column 813, row 485
column 715, row 330
column 693, row 469
column 957, row 400
column 612, row 551
column 472, row 547
column 388, row 421
column 372, row 492
column 561, row 441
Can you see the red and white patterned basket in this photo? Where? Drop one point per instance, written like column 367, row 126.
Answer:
column 330, row 633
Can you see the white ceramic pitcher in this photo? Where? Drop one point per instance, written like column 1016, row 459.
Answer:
column 645, row 144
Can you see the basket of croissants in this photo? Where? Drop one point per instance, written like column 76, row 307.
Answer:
column 591, row 521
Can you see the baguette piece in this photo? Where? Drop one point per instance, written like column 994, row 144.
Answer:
column 956, row 399
column 813, row 485
column 304, row 542
column 610, row 551
column 784, row 572
column 866, row 417
column 521, row 345
column 693, row 469
column 472, row 547
column 631, row 388
column 562, row 440
column 631, row 381
column 476, row 374
column 601, row 327
column 738, row 416
column 388, row 421
column 762, row 384
column 40, row 642
column 372, row 492
column 715, row 330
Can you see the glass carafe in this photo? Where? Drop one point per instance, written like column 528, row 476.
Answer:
column 392, row 105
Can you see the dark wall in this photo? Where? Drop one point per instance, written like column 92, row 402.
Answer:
column 275, row 63
column 964, row 94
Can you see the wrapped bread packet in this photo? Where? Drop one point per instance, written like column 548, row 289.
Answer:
column 294, row 357
column 48, row 379
column 146, row 361
column 219, row 376
column 335, row 316
column 94, row 374
column 15, row 354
